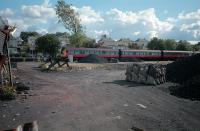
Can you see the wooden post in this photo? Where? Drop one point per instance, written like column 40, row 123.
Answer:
column 9, row 64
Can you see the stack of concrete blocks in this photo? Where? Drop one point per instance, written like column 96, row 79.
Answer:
column 149, row 74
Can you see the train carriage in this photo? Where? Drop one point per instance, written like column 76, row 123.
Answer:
column 79, row 53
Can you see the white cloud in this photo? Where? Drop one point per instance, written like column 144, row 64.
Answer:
column 152, row 34
column 192, row 15
column 123, row 17
column 136, row 33
column 88, row 15
column 171, row 19
column 146, row 17
column 193, row 28
column 7, row 12
column 42, row 31
column 38, row 13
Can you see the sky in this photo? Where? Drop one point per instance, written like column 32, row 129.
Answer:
column 166, row 19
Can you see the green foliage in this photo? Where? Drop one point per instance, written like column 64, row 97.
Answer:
column 7, row 93
column 24, row 35
column 156, row 44
column 48, row 44
column 68, row 17
column 196, row 47
column 183, row 45
column 168, row 44
column 79, row 39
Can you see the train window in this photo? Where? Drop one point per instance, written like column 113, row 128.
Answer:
column 76, row 52
column 91, row 52
column 97, row 52
column 82, row 52
column 71, row 52
column 86, row 51
column 103, row 52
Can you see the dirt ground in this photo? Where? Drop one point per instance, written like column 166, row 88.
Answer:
column 96, row 100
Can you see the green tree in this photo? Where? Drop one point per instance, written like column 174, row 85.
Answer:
column 48, row 44
column 24, row 35
column 77, row 39
column 156, row 44
column 196, row 47
column 183, row 45
column 170, row 44
column 68, row 17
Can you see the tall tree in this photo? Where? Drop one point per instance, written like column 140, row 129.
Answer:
column 67, row 15
column 170, row 44
column 24, row 35
column 183, row 45
column 48, row 44
column 156, row 44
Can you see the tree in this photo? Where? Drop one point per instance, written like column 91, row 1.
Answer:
column 48, row 44
column 183, row 45
column 24, row 35
column 68, row 17
column 156, row 44
column 170, row 44
column 196, row 47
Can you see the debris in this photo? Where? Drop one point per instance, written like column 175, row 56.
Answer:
column 136, row 129
column 17, row 114
column 118, row 117
column 92, row 58
column 141, row 105
column 186, row 73
column 150, row 74
column 125, row 105
column 21, row 87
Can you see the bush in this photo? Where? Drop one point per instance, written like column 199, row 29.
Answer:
column 7, row 93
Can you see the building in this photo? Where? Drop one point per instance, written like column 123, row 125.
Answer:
column 107, row 42
column 13, row 44
column 142, row 43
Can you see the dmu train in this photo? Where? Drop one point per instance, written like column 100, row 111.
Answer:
column 79, row 53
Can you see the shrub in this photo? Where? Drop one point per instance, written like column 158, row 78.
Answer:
column 7, row 93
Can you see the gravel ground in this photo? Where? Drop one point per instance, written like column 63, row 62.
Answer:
column 96, row 100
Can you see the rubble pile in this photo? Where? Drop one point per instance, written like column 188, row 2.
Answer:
column 185, row 72
column 150, row 74
column 92, row 58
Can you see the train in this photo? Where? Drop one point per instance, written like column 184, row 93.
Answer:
column 109, row 54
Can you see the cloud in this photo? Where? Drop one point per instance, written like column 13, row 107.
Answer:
column 7, row 12
column 88, row 15
column 152, row 34
column 193, row 28
column 146, row 17
column 190, row 23
column 192, row 15
column 42, row 31
column 123, row 17
column 38, row 13
column 136, row 33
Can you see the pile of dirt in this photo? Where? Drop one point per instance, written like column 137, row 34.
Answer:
column 186, row 72
column 92, row 58
column 130, row 59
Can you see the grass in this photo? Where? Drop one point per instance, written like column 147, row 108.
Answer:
column 7, row 93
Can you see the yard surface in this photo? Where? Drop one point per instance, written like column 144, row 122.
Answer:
column 96, row 100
